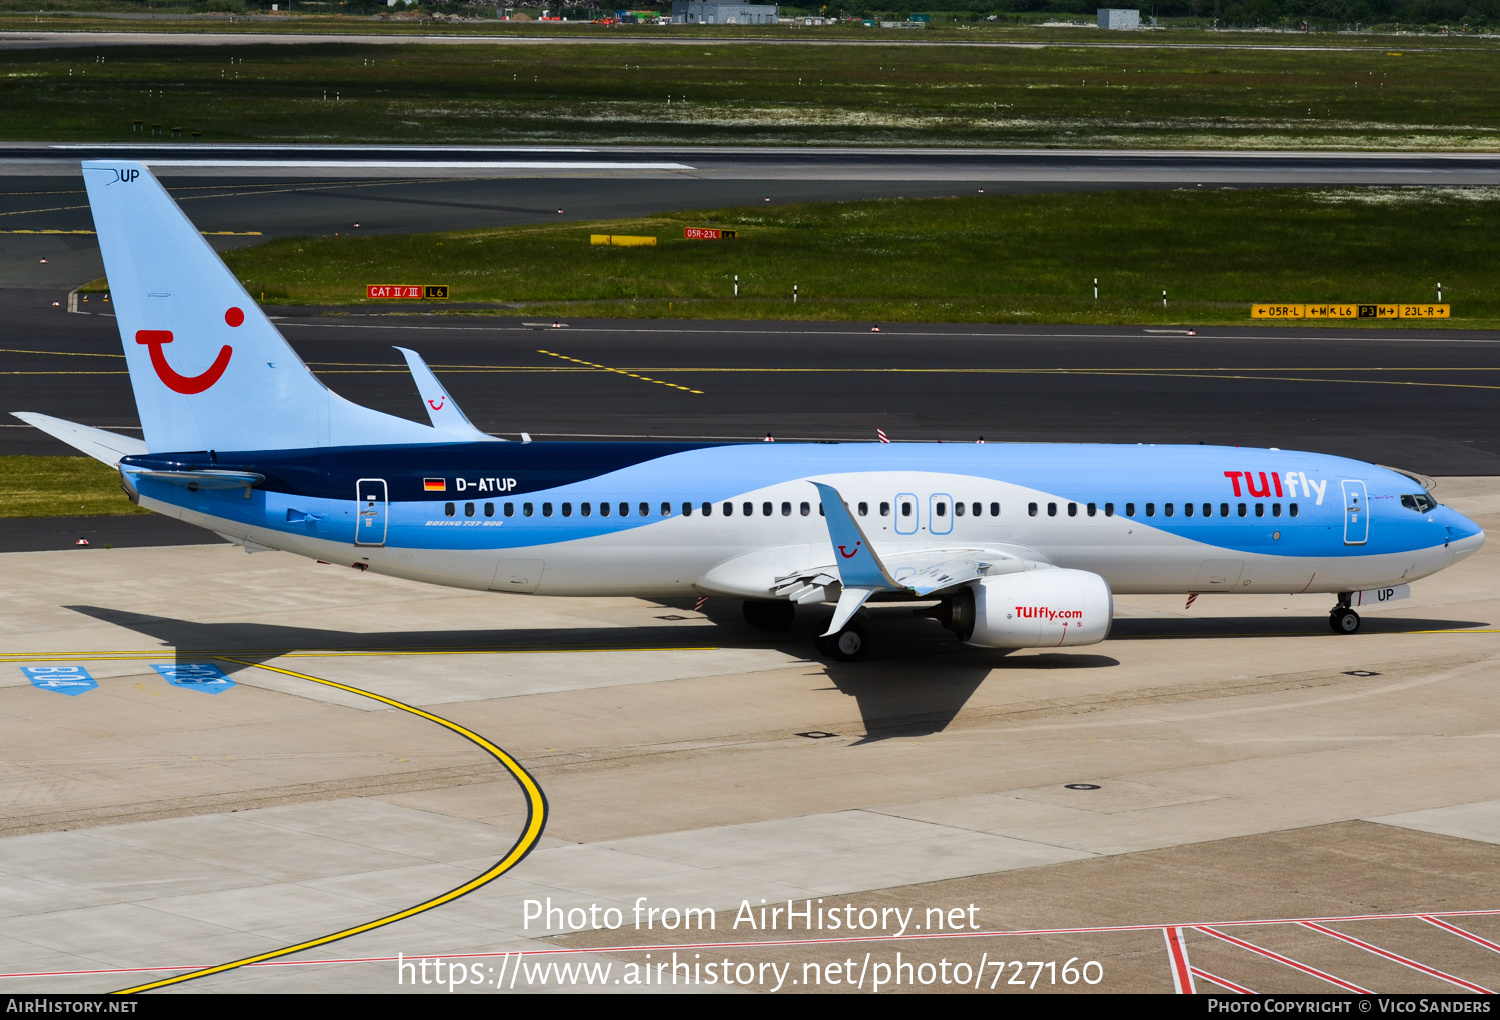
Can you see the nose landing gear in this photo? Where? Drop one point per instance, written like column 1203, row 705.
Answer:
column 1343, row 621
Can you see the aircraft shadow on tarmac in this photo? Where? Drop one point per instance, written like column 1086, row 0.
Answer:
column 1171, row 627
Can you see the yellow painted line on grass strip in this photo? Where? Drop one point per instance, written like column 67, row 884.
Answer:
column 536, row 821
column 621, row 371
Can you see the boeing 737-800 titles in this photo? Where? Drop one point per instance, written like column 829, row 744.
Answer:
column 1013, row 545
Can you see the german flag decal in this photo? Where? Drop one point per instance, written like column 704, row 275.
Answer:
column 434, row 485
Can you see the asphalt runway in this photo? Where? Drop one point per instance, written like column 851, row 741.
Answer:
column 1420, row 400
column 799, row 163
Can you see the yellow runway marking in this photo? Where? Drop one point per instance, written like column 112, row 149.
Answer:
column 536, row 821
column 70, row 354
column 621, row 371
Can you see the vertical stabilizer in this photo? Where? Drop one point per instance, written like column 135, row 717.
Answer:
column 209, row 370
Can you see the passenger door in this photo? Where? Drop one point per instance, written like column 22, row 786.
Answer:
column 370, row 506
column 1356, row 513
column 940, row 514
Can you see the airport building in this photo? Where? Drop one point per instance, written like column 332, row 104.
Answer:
column 1117, row 18
column 694, row 12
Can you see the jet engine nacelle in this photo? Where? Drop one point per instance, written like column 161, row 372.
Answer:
column 1042, row 609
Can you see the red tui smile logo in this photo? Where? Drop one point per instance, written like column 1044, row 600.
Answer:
column 850, row 555
column 189, row 384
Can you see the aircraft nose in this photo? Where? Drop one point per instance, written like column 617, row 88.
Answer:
column 1463, row 535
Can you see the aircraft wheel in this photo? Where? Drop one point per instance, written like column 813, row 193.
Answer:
column 848, row 645
column 1343, row 621
column 770, row 615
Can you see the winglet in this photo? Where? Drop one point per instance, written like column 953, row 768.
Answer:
column 859, row 565
column 441, row 407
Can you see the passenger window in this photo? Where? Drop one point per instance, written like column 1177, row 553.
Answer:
column 666, row 509
column 1292, row 509
column 806, row 509
column 707, row 508
column 1031, row 509
column 687, row 509
column 978, row 509
column 1167, row 509
column 1187, row 509
column 526, row 508
column 625, row 510
column 510, row 510
column 864, row 509
column 728, row 509
column 603, row 510
column 994, row 509
column 585, row 509
column 1093, row 509
column 645, row 509
column 1260, row 509
column 1242, row 509
column 489, row 509
column 1208, row 509
column 1223, row 509
column 1129, row 509
column 820, row 509
column 1275, row 509
column 1109, row 509
column 1051, row 509
column 905, row 509
column 786, row 509
column 567, row 509
column 468, row 509
column 1072, row 509
column 1150, row 509
column 942, row 509
column 765, row 510
column 448, row 509
column 885, row 509
column 958, row 509
column 748, row 509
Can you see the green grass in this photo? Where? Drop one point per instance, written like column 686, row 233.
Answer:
column 1438, row 97
column 61, row 487
column 1024, row 258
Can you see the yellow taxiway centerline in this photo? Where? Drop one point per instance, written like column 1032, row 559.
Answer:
column 536, row 821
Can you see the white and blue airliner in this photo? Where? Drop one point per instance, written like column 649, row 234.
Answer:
column 1009, row 545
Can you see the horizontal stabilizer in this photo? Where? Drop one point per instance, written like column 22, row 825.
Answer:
column 442, row 409
column 104, row 446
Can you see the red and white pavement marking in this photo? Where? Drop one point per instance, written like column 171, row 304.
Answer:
column 1182, row 972
column 1348, row 986
column 1397, row 958
column 1222, row 982
column 1486, row 943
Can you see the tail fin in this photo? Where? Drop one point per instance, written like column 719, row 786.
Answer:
column 209, row 370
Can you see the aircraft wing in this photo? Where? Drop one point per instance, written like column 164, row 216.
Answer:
column 104, row 446
column 442, row 409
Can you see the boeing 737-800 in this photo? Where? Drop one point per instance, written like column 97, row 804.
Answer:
column 1013, row 545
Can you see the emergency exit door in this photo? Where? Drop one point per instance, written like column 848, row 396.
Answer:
column 370, row 512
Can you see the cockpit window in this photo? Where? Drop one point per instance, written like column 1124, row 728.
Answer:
column 1421, row 502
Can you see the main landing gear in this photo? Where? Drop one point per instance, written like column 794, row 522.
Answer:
column 1342, row 619
column 770, row 615
column 848, row 645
